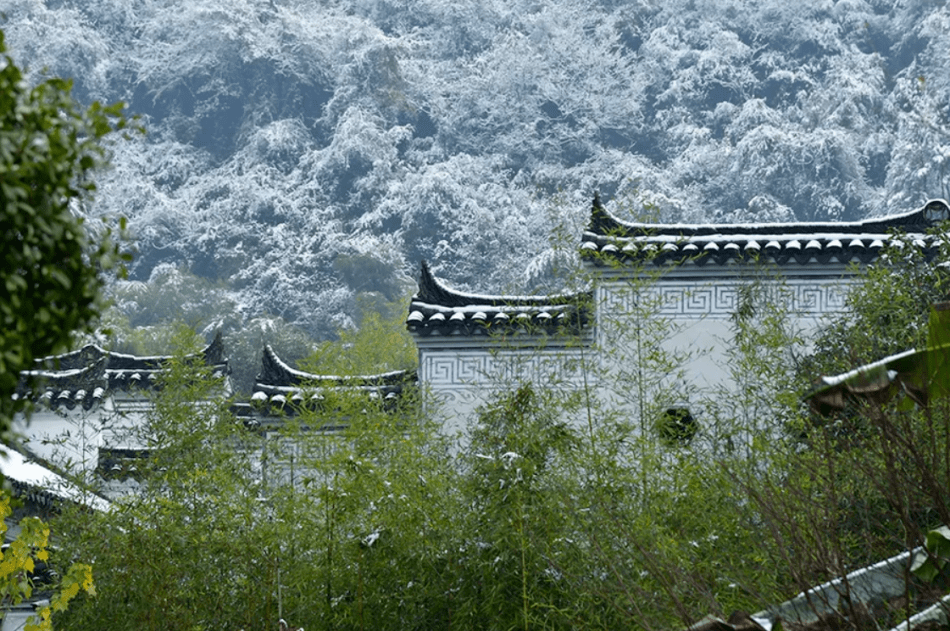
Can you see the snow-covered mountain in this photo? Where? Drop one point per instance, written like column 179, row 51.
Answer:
column 303, row 153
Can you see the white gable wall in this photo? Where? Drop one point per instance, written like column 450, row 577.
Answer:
column 65, row 438
column 71, row 439
column 691, row 309
column 685, row 317
column 460, row 375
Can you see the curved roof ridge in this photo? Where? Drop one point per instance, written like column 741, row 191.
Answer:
column 434, row 291
column 212, row 354
column 276, row 372
column 72, row 360
column 88, row 377
column 603, row 223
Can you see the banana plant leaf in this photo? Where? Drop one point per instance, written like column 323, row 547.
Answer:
column 921, row 375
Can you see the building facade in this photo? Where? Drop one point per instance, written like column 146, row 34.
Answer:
column 89, row 408
column 658, row 319
column 91, row 412
column 653, row 327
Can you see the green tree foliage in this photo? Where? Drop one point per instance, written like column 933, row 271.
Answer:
column 49, row 147
column 516, row 535
column 18, row 561
column 187, row 550
column 857, row 485
column 888, row 309
column 378, row 512
column 566, row 508
column 51, row 276
column 333, row 516
column 352, row 514
column 380, row 344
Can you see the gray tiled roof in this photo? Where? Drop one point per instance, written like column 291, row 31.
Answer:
column 609, row 238
column 35, row 482
column 436, row 309
column 282, row 389
column 86, row 376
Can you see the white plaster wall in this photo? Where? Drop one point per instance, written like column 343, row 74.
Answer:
column 685, row 314
column 692, row 318
column 460, row 380
column 65, row 438
column 16, row 619
column 71, row 439
column 125, row 427
column 687, row 319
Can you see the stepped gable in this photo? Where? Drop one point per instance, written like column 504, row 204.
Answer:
column 278, row 385
column 608, row 238
column 437, row 309
column 86, row 376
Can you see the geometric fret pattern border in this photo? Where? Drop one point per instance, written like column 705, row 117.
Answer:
column 677, row 300
column 479, row 369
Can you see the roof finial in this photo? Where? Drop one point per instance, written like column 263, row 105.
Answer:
column 425, row 273
column 214, row 352
column 936, row 210
column 427, row 283
column 600, row 220
column 432, row 291
column 273, row 370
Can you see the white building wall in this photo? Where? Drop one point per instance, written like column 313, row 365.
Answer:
column 71, row 440
column 691, row 315
column 461, row 378
column 685, row 318
column 66, row 438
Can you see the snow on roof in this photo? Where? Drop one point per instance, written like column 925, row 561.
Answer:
column 910, row 372
column 276, row 372
column 434, row 291
column 278, row 384
column 437, row 308
column 52, row 374
column 16, row 467
column 804, row 243
column 867, row 369
column 933, row 211
column 86, row 375
column 212, row 354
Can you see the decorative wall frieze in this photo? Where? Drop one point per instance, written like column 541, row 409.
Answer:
column 478, row 370
column 688, row 300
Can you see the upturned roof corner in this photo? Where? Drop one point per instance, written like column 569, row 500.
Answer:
column 601, row 221
column 437, row 309
column 281, row 390
column 86, row 376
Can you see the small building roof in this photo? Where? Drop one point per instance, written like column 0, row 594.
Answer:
column 35, row 483
column 608, row 237
column 280, row 389
column 437, row 309
column 84, row 377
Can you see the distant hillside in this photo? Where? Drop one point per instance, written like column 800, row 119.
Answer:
column 302, row 154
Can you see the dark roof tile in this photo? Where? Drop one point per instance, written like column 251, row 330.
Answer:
column 609, row 238
column 437, row 309
column 282, row 389
column 86, row 376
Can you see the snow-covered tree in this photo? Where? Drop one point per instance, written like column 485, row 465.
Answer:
column 283, row 133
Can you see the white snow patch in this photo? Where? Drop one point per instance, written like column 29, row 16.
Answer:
column 14, row 466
